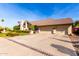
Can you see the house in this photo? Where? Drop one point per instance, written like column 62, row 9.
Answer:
column 24, row 25
column 57, row 26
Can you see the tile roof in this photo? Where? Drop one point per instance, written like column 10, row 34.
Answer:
column 52, row 22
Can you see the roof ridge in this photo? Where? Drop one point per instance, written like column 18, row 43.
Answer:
column 52, row 19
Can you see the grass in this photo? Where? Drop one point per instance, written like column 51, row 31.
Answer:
column 3, row 35
column 12, row 34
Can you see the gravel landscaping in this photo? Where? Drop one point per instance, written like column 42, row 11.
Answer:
column 75, row 42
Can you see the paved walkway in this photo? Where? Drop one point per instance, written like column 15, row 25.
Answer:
column 43, row 44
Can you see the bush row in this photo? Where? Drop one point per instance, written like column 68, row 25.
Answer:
column 20, row 31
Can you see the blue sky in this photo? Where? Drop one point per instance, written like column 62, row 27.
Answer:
column 12, row 12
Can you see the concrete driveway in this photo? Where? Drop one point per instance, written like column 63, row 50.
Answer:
column 42, row 44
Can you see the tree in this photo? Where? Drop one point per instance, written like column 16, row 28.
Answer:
column 77, row 24
column 16, row 27
column 2, row 20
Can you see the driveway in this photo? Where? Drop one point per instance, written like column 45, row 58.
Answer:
column 42, row 44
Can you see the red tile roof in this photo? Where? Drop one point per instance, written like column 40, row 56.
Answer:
column 52, row 22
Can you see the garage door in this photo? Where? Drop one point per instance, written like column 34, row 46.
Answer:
column 59, row 30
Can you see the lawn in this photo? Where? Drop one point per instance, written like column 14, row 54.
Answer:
column 13, row 33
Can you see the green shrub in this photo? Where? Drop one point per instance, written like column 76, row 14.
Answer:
column 17, row 27
column 21, row 31
column 12, row 34
column 1, row 28
column 7, row 29
column 32, row 27
column 36, row 27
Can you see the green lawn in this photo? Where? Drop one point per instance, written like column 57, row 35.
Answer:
column 3, row 35
column 11, row 34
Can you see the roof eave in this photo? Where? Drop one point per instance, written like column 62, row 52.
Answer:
column 56, row 24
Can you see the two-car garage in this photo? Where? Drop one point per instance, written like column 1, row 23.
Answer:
column 60, row 26
column 59, row 29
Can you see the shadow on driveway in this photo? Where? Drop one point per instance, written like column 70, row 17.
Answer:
column 24, row 45
column 62, row 40
column 64, row 49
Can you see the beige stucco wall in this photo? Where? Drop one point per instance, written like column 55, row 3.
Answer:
column 57, row 29
column 70, row 29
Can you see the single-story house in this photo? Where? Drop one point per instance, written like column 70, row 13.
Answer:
column 56, row 26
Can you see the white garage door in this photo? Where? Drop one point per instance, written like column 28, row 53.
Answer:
column 59, row 30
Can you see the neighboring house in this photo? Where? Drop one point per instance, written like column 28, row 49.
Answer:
column 24, row 25
column 57, row 26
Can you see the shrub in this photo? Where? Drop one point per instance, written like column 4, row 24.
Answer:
column 1, row 28
column 21, row 31
column 8, row 29
column 36, row 27
column 17, row 27
column 32, row 27
column 76, row 31
column 12, row 34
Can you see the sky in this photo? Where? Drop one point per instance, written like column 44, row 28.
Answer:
column 14, row 12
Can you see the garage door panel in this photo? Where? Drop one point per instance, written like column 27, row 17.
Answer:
column 60, row 30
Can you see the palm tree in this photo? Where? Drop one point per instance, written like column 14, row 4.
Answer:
column 2, row 20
